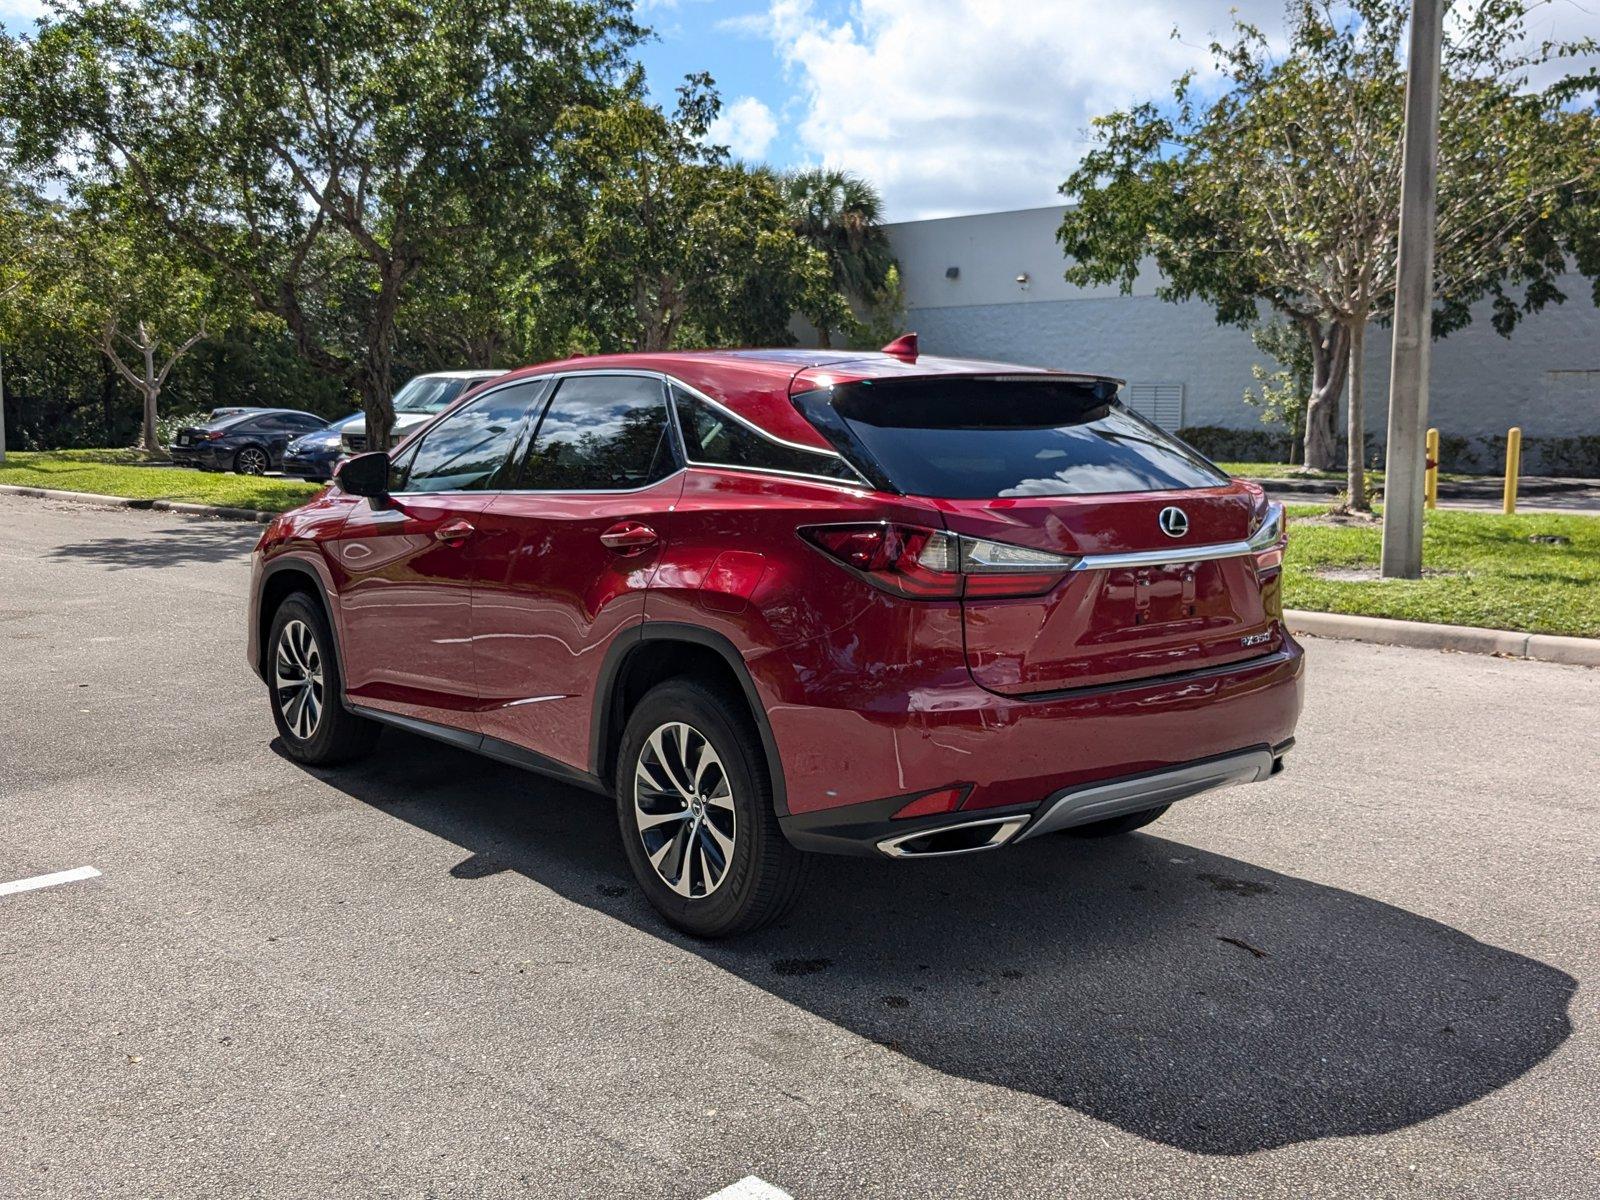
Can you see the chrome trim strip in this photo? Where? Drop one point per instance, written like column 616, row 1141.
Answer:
column 1163, row 557
column 1006, row 828
column 1263, row 539
column 1098, row 801
column 829, row 480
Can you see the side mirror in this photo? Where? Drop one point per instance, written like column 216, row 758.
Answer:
column 364, row 474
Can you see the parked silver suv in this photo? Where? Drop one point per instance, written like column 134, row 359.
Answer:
column 423, row 397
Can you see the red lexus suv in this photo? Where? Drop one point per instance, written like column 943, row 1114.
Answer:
column 782, row 601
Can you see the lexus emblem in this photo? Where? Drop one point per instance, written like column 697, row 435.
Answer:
column 1174, row 522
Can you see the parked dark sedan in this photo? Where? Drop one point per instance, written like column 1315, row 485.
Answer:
column 249, row 443
column 316, row 454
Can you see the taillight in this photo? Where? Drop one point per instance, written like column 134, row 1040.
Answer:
column 1268, row 541
column 930, row 564
column 216, row 435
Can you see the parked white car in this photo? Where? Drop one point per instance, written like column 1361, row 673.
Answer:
column 422, row 397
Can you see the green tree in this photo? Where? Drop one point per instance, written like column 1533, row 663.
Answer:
column 1282, row 394
column 1283, row 192
column 140, row 296
column 841, row 215
column 671, row 240
column 320, row 155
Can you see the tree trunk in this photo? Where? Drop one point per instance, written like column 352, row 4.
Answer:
column 1355, row 422
column 822, row 338
column 151, row 389
column 1330, row 360
column 377, row 405
column 376, row 380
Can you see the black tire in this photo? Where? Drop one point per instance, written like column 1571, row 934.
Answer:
column 761, row 878
column 334, row 734
column 1112, row 826
column 251, row 460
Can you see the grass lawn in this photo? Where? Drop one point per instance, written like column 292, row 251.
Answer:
column 116, row 473
column 1478, row 569
column 1266, row 470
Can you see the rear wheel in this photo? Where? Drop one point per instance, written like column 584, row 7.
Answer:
column 1112, row 826
column 694, row 803
column 305, row 685
column 252, row 460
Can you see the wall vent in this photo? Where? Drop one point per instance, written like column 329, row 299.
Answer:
column 1158, row 402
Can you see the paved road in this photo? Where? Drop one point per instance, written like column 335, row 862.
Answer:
column 1375, row 976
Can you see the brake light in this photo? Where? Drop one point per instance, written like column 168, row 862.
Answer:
column 1268, row 541
column 930, row 564
column 215, row 435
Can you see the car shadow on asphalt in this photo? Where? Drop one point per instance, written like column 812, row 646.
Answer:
column 1190, row 998
column 179, row 545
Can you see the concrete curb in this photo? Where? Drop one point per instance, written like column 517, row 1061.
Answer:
column 1490, row 489
column 176, row 506
column 1421, row 635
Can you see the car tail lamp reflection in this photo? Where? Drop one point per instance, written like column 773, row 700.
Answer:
column 930, row 564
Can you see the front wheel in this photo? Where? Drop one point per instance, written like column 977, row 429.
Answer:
column 694, row 803
column 303, row 677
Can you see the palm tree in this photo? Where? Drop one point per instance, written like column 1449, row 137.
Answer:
column 841, row 215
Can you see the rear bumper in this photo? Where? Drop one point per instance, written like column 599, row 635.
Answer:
column 193, row 456
column 870, row 829
column 1058, row 754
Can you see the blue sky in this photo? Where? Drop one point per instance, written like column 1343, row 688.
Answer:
column 947, row 106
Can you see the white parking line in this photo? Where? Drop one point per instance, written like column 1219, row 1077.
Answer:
column 44, row 881
column 750, row 1188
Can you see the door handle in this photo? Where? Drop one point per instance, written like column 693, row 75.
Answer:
column 629, row 537
column 454, row 531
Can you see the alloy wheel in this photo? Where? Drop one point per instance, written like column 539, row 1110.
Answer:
column 683, row 807
column 251, row 462
column 297, row 676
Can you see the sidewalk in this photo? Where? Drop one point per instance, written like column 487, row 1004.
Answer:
column 1535, row 493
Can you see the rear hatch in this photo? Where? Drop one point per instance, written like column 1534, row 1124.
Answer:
column 1155, row 569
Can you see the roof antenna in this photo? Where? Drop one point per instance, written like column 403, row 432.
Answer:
column 903, row 347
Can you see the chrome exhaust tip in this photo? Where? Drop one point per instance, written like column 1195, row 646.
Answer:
column 966, row 838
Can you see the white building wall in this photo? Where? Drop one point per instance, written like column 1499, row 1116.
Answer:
column 1546, row 377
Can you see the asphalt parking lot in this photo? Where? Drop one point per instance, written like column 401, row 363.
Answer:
column 432, row 975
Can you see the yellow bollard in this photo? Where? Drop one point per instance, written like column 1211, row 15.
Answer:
column 1513, row 468
column 1430, row 474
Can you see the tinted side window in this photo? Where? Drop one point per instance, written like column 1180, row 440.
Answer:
column 714, row 438
column 466, row 450
column 600, row 432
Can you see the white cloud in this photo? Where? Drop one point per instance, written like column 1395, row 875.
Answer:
column 19, row 15
column 955, row 106
column 746, row 126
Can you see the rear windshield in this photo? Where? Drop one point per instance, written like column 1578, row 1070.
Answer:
column 982, row 439
column 228, row 420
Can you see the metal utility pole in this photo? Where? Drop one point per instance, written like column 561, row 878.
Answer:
column 1413, row 301
column 2, row 405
